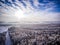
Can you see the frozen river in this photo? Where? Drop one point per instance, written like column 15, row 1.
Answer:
column 5, row 29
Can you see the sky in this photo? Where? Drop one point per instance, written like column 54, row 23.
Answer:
column 29, row 10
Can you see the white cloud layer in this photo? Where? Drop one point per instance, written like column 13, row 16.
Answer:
column 7, row 13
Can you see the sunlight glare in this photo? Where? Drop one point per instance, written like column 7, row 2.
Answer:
column 19, row 14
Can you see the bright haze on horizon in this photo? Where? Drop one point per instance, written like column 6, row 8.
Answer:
column 29, row 10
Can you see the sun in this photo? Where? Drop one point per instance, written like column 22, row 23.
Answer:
column 19, row 14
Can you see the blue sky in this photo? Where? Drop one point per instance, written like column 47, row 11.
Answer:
column 44, row 3
column 35, row 10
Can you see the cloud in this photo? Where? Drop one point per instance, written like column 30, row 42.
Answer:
column 34, row 10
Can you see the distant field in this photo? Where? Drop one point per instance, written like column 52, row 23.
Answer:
column 35, row 34
column 30, row 34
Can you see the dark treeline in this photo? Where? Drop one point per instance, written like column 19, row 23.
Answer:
column 2, row 38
